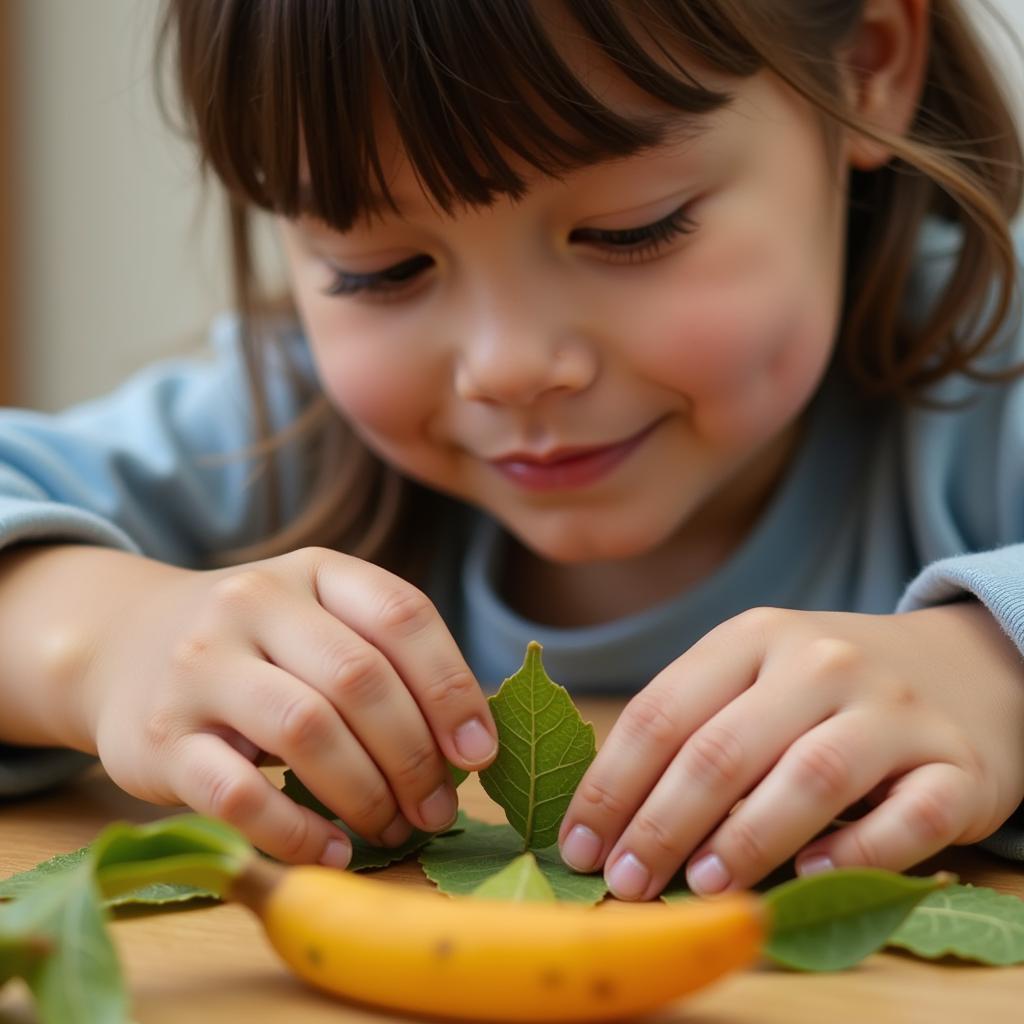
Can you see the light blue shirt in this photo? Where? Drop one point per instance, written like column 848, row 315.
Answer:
column 878, row 513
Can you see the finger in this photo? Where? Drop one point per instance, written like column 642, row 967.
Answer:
column 823, row 772
column 649, row 734
column 363, row 687
column 214, row 779
column 928, row 809
column 279, row 713
column 400, row 621
column 717, row 766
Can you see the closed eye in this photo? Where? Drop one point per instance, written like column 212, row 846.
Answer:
column 626, row 244
column 639, row 242
column 380, row 282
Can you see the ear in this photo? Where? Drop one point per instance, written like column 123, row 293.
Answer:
column 882, row 68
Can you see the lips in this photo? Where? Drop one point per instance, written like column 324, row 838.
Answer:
column 568, row 467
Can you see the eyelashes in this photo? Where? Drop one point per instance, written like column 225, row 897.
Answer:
column 391, row 279
column 642, row 241
column 626, row 245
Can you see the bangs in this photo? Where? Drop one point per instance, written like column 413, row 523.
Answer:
column 301, row 88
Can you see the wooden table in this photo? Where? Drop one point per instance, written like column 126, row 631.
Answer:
column 212, row 964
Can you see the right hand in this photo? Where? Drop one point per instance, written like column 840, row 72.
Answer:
column 339, row 668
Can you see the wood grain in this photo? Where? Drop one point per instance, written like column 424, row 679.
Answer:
column 212, row 964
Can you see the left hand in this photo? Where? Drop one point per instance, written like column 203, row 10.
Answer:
column 800, row 715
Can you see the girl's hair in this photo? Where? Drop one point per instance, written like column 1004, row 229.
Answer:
column 268, row 84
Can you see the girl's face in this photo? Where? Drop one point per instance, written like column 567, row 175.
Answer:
column 609, row 362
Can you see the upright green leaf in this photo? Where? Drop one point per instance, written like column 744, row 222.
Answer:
column 79, row 980
column 968, row 922
column 544, row 747
column 20, row 951
column 458, row 863
column 833, row 920
column 520, row 881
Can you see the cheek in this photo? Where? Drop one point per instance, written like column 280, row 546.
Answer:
column 748, row 355
column 377, row 395
column 380, row 393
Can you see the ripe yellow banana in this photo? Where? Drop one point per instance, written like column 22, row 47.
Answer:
column 483, row 960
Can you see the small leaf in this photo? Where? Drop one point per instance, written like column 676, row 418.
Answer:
column 968, row 922
column 157, row 894
column 521, row 881
column 23, row 881
column 365, row 856
column 544, row 748
column 458, row 863
column 832, row 920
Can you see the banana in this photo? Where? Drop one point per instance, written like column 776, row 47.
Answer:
column 484, row 960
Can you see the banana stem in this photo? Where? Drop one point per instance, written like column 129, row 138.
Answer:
column 255, row 882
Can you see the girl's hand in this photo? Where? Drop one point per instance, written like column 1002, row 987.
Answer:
column 800, row 715
column 339, row 668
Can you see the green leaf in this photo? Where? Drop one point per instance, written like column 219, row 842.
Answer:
column 544, row 747
column 968, row 922
column 521, row 880
column 23, row 881
column 365, row 856
column 832, row 920
column 79, row 981
column 676, row 890
column 458, row 863
column 20, row 952
column 185, row 849
column 157, row 894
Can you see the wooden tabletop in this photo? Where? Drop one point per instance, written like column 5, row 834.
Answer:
column 212, row 964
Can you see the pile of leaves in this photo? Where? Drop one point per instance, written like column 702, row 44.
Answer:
column 53, row 929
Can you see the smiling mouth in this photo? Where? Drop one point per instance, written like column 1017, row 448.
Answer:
column 569, row 468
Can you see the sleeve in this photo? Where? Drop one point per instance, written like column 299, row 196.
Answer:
column 158, row 467
column 964, row 470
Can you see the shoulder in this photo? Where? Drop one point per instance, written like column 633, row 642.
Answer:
column 962, row 454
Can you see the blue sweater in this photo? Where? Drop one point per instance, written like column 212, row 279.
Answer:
column 886, row 513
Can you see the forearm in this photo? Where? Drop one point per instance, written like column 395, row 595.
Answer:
column 57, row 601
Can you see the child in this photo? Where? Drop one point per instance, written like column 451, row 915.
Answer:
column 679, row 336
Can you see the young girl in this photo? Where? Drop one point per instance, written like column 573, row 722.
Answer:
column 679, row 335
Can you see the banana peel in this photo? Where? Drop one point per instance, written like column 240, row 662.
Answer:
column 487, row 960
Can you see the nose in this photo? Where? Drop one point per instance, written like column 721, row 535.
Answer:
column 517, row 357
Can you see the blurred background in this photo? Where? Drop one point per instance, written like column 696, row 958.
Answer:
column 109, row 254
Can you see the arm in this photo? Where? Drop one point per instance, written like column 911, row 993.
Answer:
column 56, row 600
column 130, row 472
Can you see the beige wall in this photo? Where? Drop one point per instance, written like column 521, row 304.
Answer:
column 121, row 262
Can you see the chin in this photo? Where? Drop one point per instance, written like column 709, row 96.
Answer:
column 573, row 544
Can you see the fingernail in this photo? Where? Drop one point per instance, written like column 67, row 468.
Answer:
column 628, row 877
column 439, row 809
column 814, row 864
column 397, row 832
column 707, row 875
column 581, row 848
column 474, row 742
column 337, row 853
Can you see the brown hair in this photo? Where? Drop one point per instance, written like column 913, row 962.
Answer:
column 266, row 82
